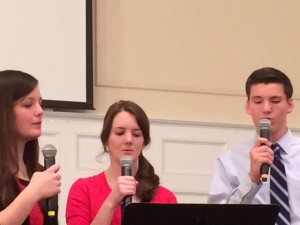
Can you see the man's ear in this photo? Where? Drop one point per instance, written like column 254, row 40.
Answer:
column 247, row 107
column 290, row 105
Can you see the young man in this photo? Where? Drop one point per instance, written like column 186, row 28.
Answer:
column 237, row 177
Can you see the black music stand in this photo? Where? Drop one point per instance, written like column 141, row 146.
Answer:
column 199, row 214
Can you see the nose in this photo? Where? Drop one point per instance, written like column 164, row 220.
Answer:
column 128, row 137
column 39, row 110
column 266, row 107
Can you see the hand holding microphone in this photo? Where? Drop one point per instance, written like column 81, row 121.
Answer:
column 126, row 170
column 49, row 153
column 261, row 156
column 47, row 183
column 264, row 128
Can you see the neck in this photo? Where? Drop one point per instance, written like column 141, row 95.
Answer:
column 21, row 146
column 22, row 173
column 275, row 137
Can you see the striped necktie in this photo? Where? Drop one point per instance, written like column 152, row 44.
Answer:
column 279, row 189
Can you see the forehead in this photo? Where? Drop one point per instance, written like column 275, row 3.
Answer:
column 124, row 118
column 268, row 90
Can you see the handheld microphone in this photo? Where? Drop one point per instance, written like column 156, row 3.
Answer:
column 49, row 152
column 264, row 131
column 126, row 169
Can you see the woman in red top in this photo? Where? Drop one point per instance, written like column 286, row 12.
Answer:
column 21, row 186
column 97, row 200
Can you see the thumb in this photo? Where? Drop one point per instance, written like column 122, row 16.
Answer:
column 54, row 168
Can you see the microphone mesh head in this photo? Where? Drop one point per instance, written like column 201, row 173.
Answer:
column 126, row 161
column 49, row 150
column 264, row 124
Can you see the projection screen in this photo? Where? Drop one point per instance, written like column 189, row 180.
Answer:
column 51, row 40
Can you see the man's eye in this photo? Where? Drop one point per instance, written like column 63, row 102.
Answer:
column 276, row 101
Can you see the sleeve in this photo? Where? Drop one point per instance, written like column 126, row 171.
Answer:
column 172, row 198
column 77, row 211
column 228, row 186
column 164, row 195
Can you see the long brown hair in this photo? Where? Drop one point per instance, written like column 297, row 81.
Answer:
column 148, row 180
column 14, row 85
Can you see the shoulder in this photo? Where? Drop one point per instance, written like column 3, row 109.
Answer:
column 294, row 139
column 289, row 142
column 164, row 195
column 88, row 182
column 240, row 151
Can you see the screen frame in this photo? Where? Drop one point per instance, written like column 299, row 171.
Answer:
column 58, row 105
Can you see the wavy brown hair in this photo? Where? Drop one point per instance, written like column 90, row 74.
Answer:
column 148, row 180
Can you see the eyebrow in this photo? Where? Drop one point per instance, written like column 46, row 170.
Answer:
column 259, row 97
column 123, row 128
column 31, row 98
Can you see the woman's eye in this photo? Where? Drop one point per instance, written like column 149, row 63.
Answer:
column 137, row 135
column 27, row 105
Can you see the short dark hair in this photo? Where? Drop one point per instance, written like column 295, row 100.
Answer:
column 269, row 75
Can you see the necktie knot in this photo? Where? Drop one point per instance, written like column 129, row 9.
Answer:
column 276, row 148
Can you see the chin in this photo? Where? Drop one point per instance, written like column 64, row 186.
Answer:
column 35, row 135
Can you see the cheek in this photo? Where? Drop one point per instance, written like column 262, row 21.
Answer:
column 140, row 144
column 19, row 122
column 254, row 110
column 113, row 142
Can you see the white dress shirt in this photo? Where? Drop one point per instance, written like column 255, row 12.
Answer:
column 231, row 183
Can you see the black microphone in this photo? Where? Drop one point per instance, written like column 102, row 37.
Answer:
column 49, row 152
column 126, row 169
column 264, row 131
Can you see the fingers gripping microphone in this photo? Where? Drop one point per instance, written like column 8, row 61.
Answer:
column 264, row 130
column 126, row 169
column 49, row 152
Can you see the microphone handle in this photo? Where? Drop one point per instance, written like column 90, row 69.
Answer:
column 126, row 171
column 52, row 202
column 126, row 200
column 264, row 169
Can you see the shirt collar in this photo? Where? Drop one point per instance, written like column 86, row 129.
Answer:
column 286, row 141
